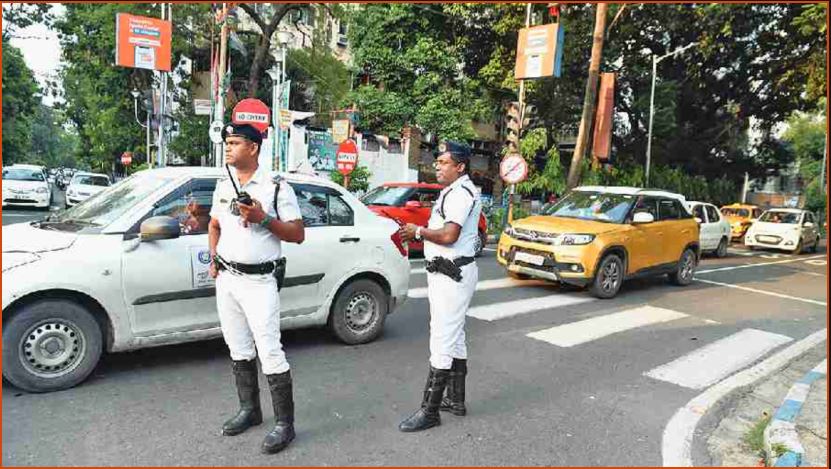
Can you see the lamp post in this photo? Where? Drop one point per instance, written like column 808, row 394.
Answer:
column 136, row 94
column 278, row 76
column 655, row 61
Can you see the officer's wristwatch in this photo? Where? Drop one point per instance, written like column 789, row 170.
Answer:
column 265, row 222
column 418, row 234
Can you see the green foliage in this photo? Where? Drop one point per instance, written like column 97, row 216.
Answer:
column 21, row 101
column 52, row 144
column 553, row 177
column 320, row 79
column 358, row 179
column 497, row 216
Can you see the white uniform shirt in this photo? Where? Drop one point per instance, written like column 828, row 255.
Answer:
column 253, row 244
column 458, row 203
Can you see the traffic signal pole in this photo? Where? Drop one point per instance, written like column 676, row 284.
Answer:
column 512, row 187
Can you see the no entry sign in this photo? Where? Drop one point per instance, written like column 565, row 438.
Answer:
column 253, row 112
column 347, row 157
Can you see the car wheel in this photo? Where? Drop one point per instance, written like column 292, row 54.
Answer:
column 609, row 277
column 799, row 248
column 50, row 345
column 481, row 241
column 721, row 250
column 359, row 311
column 815, row 247
column 685, row 270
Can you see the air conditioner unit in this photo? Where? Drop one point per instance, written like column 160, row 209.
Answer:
column 342, row 40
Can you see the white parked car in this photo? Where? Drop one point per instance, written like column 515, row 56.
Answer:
column 82, row 186
column 129, row 269
column 789, row 229
column 714, row 229
column 26, row 185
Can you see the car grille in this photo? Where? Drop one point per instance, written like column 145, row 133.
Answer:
column 769, row 239
column 534, row 236
column 18, row 200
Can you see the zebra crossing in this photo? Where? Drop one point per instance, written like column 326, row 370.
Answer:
column 697, row 369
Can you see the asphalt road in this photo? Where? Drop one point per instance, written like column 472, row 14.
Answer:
column 16, row 214
column 592, row 393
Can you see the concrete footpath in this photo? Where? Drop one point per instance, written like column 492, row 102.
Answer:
column 781, row 420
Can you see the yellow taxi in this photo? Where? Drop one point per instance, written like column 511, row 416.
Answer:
column 740, row 217
column 599, row 236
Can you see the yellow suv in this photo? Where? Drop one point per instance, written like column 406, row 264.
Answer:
column 740, row 217
column 600, row 236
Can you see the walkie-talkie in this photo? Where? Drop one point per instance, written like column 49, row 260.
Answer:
column 242, row 197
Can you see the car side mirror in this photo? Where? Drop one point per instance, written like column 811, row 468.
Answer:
column 412, row 204
column 158, row 228
column 699, row 220
column 643, row 217
column 753, row 220
column 808, row 224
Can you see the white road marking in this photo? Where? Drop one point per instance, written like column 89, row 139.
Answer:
column 418, row 271
column 763, row 292
column 580, row 332
column 741, row 252
column 817, row 262
column 495, row 311
column 759, row 264
column 485, row 285
column 812, row 273
column 489, row 249
column 676, row 446
column 713, row 362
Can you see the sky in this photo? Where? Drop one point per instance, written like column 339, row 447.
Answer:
column 41, row 51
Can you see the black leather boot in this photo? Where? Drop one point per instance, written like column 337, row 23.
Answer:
column 454, row 401
column 281, row 398
column 248, row 390
column 428, row 415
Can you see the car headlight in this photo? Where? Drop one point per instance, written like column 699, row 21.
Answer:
column 42, row 190
column 509, row 230
column 569, row 239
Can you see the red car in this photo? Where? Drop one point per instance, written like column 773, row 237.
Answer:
column 411, row 202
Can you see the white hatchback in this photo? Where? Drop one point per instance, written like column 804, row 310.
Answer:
column 26, row 185
column 714, row 229
column 104, row 276
column 789, row 229
column 82, row 186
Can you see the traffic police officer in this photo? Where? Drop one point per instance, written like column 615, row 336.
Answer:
column 245, row 244
column 449, row 249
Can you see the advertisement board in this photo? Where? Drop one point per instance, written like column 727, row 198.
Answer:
column 142, row 42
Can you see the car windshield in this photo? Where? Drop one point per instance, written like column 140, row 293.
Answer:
column 735, row 212
column 109, row 204
column 383, row 195
column 88, row 180
column 18, row 174
column 596, row 206
column 790, row 218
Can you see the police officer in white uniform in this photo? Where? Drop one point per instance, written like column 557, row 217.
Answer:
column 449, row 250
column 245, row 249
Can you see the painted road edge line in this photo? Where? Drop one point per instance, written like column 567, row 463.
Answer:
column 676, row 444
column 763, row 292
column 782, row 428
column 760, row 264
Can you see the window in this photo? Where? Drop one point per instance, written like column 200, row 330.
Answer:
column 427, row 197
column 669, row 209
column 713, row 214
column 698, row 212
column 809, row 217
column 394, row 146
column 322, row 206
column 596, row 206
column 190, row 205
column 647, row 205
column 370, row 144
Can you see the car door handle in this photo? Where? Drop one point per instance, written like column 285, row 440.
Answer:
column 347, row 239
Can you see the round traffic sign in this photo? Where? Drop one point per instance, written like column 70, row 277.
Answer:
column 513, row 169
column 126, row 158
column 251, row 111
column 215, row 132
column 347, row 157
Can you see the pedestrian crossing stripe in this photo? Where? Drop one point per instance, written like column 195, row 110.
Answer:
column 715, row 361
column 576, row 333
column 496, row 311
column 487, row 285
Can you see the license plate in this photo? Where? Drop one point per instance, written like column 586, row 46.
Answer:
column 529, row 258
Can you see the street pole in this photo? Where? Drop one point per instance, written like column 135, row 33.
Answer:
column 590, row 96
column 744, row 187
column 512, row 187
column 219, row 159
column 161, row 154
column 651, row 116
column 822, row 185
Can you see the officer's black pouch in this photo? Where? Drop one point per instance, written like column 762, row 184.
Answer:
column 443, row 265
column 280, row 272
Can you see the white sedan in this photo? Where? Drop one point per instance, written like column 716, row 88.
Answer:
column 789, row 229
column 129, row 269
column 82, row 186
column 714, row 229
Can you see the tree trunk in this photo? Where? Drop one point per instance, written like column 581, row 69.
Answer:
column 260, row 56
column 591, row 97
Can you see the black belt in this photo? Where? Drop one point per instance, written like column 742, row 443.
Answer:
column 251, row 269
column 460, row 261
column 448, row 267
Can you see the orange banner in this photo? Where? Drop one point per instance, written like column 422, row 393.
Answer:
column 602, row 139
column 142, row 42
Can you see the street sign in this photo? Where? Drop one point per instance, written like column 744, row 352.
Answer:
column 215, row 132
column 142, row 42
column 340, row 130
column 285, row 117
column 347, row 157
column 539, row 48
column 251, row 111
column 126, row 158
column 513, row 169
column 202, row 107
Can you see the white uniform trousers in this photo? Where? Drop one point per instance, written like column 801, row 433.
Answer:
column 249, row 313
column 449, row 301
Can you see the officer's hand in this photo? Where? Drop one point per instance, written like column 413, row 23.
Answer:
column 251, row 213
column 213, row 270
column 407, row 231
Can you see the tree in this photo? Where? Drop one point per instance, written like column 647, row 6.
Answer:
column 21, row 98
column 22, row 15
column 53, row 142
column 358, row 179
column 806, row 136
